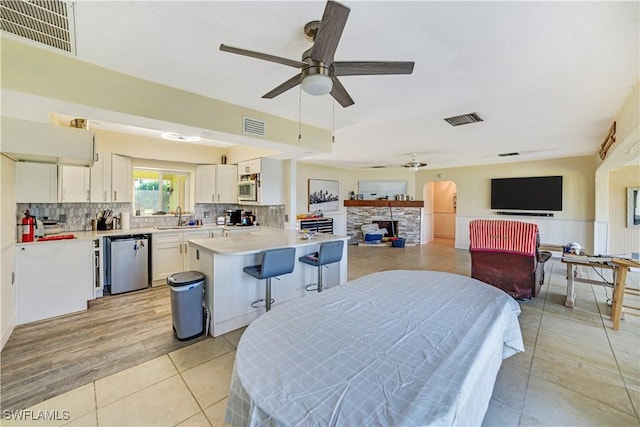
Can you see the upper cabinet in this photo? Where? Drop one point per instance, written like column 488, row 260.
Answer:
column 249, row 167
column 41, row 142
column 121, row 179
column 269, row 179
column 101, row 178
column 74, row 184
column 216, row 184
column 36, row 183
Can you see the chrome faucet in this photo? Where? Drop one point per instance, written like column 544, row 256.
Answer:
column 179, row 213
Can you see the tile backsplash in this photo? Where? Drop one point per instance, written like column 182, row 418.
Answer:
column 78, row 216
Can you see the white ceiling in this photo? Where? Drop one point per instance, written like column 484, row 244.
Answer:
column 548, row 78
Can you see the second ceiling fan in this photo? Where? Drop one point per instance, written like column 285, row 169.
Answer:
column 318, row 71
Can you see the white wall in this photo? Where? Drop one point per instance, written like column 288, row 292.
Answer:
column 7, row 247
column 573, row 223
column 622, row 240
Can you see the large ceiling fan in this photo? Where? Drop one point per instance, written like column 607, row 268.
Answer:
column 413, row 164
column 318, row 71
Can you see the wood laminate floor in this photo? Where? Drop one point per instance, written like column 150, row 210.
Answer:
column 47, row 358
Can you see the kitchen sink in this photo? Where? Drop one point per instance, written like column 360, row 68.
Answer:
column 176, row 227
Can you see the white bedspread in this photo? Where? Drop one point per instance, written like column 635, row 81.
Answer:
column 395, row 348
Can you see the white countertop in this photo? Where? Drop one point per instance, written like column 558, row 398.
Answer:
column 90, row 235
column 260, row 240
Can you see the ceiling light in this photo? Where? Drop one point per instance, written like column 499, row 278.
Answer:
column 413, row 164
column 317, row 84
column 173, row 136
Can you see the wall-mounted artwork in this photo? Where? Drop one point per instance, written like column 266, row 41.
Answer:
column 633, row 207
column 323, row 195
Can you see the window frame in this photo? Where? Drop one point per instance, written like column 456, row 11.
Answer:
column 162, row 171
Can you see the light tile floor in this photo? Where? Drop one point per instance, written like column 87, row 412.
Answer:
column 576, row 369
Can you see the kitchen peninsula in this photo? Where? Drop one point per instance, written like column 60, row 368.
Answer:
column 229, row 291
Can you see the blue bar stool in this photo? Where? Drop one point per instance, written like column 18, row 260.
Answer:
column 275, row 262
column 328, row 253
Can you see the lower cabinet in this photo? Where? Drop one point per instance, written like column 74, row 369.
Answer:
column 53, row 278
column 169, row 252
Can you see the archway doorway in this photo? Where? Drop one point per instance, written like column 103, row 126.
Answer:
column 440, row 207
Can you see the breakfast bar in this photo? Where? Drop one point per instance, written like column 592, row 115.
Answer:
column 229, row 291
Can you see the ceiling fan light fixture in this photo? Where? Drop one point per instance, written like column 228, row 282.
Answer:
column 317, row 84
column 174, row 136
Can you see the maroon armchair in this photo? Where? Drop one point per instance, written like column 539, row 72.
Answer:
column 506, row 254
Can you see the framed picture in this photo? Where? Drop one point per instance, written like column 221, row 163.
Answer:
column 633, row 207
column 323, row 195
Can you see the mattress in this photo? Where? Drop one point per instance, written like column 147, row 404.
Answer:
column 391, row 348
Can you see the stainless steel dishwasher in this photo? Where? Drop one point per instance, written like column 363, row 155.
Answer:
column 127, row 263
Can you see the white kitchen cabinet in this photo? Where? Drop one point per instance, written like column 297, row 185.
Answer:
column 249, row 167
column 100, row 180
column 53, row 278
column 36, row 183
column 169, row 251
column 216, row 184
column 166, row 255
column 74, row 184
column 121, row 179
column 42, row 142
column 270, row 184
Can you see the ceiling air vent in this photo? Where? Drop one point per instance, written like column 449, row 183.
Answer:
column 46, row 22
column 464, row 119
column 253, row 126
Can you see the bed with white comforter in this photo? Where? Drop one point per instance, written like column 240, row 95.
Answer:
column 395, row 348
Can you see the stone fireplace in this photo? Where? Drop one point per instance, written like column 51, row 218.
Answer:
column 406, row 217
column 390, row 226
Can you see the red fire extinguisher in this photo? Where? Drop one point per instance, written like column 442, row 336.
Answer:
column 28, row 227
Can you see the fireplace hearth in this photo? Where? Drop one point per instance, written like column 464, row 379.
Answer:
column 390, row 226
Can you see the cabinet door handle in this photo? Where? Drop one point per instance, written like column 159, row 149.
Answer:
column 185, row 248
column 180, row 247
column 88, row 195
column 218, row 197
column 115, row 195
column 213, row 197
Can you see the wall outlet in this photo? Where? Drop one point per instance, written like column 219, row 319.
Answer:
column 62, row 219
column 207, row 214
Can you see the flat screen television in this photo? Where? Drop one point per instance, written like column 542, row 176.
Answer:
column 538, row 193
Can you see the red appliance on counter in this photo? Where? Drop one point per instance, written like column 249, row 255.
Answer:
column 28, row 227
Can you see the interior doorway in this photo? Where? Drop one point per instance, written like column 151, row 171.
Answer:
column 440, row 209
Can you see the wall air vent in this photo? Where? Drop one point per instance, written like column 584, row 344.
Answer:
column 464, row 119
column 253, row 126
column 48, row 22
column 508, row 154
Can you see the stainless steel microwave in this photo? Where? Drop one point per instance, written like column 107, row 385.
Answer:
column 247, row 191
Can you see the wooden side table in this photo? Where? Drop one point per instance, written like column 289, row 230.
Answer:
column 621, row 266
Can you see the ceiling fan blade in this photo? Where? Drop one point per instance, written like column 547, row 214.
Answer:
column 260, row 55
column 292, row 82
column 331, row 26
column 340, row 94
column 353, row 68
